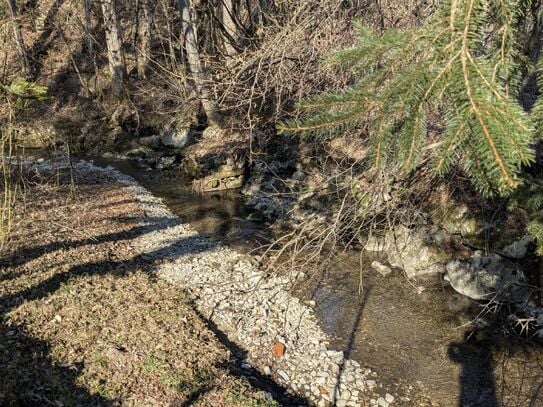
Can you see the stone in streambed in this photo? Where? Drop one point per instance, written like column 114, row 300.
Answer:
column 381, row 268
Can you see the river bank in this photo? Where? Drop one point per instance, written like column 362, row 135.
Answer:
column 84, row 320
column 406, row 349
column 252, row 311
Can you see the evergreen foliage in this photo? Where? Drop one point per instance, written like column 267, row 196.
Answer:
column 467, row 64
column 529, row 197
column 25, row 90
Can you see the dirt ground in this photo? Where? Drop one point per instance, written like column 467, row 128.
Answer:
column 84, row 322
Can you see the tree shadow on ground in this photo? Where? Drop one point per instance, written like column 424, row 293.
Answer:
column 257, row 379
column 29, row 375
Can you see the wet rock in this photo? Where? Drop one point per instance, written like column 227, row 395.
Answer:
column 482, row 278
column 269, row 207
column 412, row 250
column 138, row 152
column 518, row 249
column 225, row 177
column 177, row 137
column 165, row 162
column 381, row 268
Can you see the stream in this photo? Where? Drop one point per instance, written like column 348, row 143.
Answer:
column 416, row 336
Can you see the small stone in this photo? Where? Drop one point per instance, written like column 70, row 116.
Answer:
column 267, row 370
column 320, row 380
column 389, row 398
column 345, row 395
column 381, row 402
column 298, row 176
column 278, row 349
column 58, row 318
column 322, row 374
column 381, row 268
column 341, row 403
column 245, row 366
column 283, row 375
column 371, row 383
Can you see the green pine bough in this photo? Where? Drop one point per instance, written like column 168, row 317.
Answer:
column 25, row 90
column 466, row 64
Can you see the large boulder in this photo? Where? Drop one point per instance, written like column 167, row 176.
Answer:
column 485, row 278
column 518, row 249
column 177, row 137
column 458, row 219
column 417, row 252
column 224, row 178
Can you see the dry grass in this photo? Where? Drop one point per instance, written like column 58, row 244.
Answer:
column 83, row 323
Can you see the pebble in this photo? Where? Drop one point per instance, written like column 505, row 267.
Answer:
column 345, row 395
column 381, row 402
column 284, row 375
column 389, row 398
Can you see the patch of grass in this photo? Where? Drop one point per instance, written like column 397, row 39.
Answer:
column 186, row 381
column 101, row 361
column 67, row 288
column 154, row 364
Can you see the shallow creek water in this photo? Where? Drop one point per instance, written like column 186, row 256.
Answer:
column 414, row 335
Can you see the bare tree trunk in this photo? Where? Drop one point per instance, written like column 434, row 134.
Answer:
column 19, row 37
column 88, row 27
column 145, row 23
column 230, row 27
column 195, row 65
column 114, row 48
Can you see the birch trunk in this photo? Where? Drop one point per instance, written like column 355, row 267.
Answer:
column 145, row 22
column 19, row 36
column 114, row 48
column 195, row 65
column 230, row 27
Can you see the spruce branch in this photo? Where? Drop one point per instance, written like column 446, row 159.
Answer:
column 467, row 61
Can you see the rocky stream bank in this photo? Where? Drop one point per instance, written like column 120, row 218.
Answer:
column 282, row 334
